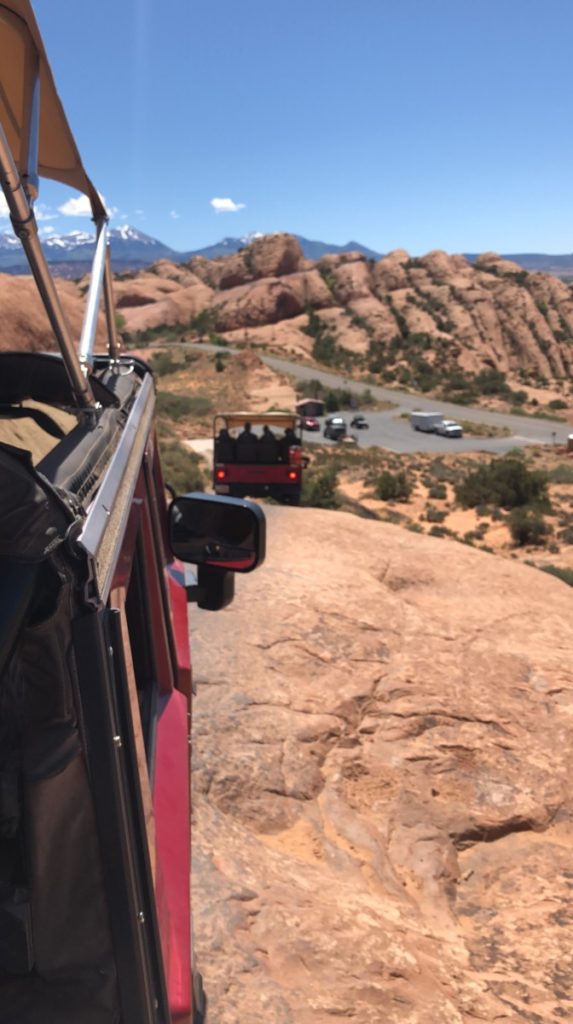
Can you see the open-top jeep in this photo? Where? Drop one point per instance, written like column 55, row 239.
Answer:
column 95, row 675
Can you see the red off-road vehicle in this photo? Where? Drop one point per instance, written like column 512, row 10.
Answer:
column 259, row 455
column 95, row 675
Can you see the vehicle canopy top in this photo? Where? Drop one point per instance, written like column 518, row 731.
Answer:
column 270, row 419
column 31, row 112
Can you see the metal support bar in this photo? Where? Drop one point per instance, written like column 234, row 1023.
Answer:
column 31, row 178
column 113, row 342
column 25, row 227
column 89, row 327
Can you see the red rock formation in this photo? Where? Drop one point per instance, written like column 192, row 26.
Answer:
column 25, row 324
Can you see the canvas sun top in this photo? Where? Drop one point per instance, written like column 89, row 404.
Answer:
column 48, row 148
column 269, row 419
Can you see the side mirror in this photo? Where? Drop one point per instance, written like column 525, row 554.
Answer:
column 213, row 530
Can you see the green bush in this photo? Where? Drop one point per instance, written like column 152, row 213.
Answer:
column 557, row 570
column 435, row 515
column 527, row 526
column 437, row 491
column 175, row 406
column 204, row 323
column 558, row 403
column 181, row 468
column 319, row 488
column 393, row 486
column 163, row 363
column 561, row 474
column 505, row 482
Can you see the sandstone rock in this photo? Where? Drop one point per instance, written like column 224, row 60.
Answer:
column 275, row 255
column 389, row 273
column 150, row 300
column 287, row 336
column 25, row 324
column 352, row 280
column 267, row 257
column 491, row 261
column 269, row 300
column 382, row 778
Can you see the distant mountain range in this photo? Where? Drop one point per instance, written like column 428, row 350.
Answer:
column 71, row 255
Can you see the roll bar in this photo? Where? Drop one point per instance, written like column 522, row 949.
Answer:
column 24, row 156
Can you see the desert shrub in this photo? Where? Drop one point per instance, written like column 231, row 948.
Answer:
column 440, row 531
column 325, row 350
column 491, row 382
column 319, row 488
column 324, row 347
column 435, row 515
column 175, row 406
column 437, row 491
column 393, row 486
column 527, row 526
column 328, row 277
column 443, row 473
column 561, row 474
column 181, row 468
column 557, row 570
column 335, row 398
column 203, row 323
column 506, row 482
column 163, row 363
column 220, row 363
column 558, row 403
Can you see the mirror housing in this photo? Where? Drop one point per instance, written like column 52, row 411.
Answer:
column 213, row 530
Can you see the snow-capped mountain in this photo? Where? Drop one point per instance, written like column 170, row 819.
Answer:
column 70, row 255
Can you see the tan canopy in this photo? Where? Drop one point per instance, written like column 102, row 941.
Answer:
column 22, row 58
column 258, row 419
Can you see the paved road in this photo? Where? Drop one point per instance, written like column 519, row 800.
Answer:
column 389, row 430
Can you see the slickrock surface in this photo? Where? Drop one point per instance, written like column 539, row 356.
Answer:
column 383, row 747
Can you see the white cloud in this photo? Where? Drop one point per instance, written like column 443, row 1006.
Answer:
column 174, row 215
column 4, row 212
column 226, row 206
column 46, row 230
column 79, row 206
column 42, row 212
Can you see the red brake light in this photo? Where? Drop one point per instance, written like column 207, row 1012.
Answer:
column 292, row 474
column 220, row 474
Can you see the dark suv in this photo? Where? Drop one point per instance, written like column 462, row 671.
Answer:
column 335, row 428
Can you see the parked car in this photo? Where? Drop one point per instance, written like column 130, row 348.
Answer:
column 310, row 423
column 335, row 428
column 359, row 422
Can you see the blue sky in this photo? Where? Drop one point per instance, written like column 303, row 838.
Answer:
column 418, row 124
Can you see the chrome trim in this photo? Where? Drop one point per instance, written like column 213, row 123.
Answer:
column 114, row 347
column 103, row 531
column 25, row 227
column 87, row 340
